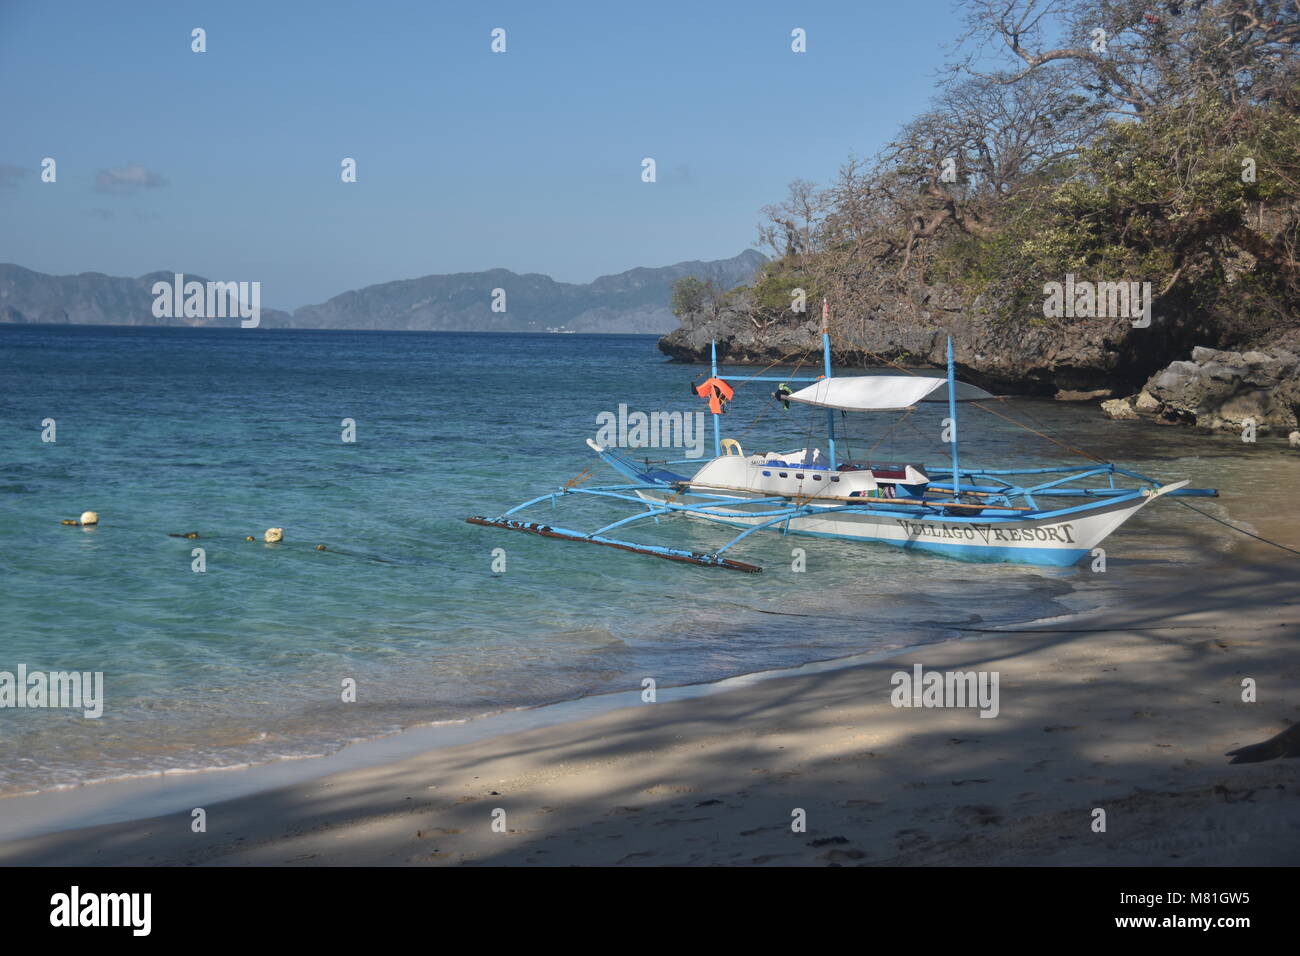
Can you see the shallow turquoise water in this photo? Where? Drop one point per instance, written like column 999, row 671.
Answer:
column 230, row 432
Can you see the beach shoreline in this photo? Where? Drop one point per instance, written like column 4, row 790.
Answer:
column 118, row 797
column 134, row 797
column 1126, row 710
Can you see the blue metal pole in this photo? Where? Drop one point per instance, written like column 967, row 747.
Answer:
column 717, row 426
column 826, row 359
column 952, row 417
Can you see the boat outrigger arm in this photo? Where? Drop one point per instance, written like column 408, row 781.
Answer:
column 1043, row 516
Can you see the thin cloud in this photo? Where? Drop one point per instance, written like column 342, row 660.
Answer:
column 129, row 179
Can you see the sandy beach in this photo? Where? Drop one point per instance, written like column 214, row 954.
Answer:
column 698, row 435
column 1126, row 710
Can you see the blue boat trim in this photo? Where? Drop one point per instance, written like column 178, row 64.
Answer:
column 674, row 554
column 1002, row 501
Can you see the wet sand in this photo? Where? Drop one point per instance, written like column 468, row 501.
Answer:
column 1128, row 710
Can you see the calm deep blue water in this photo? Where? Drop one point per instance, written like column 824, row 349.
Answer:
column 230, row 432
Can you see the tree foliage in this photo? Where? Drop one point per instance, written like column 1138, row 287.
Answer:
column 692, row 295
column 1121, row 139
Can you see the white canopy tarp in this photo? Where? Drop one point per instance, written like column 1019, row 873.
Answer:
column 882, row 393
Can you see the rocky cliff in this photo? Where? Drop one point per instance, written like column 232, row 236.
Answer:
column 1067, row 358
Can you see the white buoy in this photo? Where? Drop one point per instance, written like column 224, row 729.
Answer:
column 273, row 535
column 89, row 517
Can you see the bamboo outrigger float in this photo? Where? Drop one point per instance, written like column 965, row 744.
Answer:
column 989, row 515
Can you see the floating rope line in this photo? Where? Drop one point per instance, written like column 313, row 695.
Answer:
column 1226, row 524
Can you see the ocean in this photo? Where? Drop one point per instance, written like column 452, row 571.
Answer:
column 226, row 433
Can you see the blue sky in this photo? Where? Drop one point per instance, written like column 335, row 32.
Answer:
column 226, row 163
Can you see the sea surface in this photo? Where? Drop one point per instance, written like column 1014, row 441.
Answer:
column 229, row 432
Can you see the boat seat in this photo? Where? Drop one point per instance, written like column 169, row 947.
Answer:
column 661, row 474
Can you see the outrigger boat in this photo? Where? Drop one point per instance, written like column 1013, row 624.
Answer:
column 1040, row 516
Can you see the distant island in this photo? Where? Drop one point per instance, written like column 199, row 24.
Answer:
column 635, row 301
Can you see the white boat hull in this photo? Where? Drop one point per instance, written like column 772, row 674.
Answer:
column 1059, row 541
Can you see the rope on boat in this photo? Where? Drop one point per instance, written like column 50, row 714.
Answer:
column 1077, row 451
column 1001, row 398
column 579, row 478
column 771, row 402
column 804, row 353
column 1226, row 524
column 906, row 415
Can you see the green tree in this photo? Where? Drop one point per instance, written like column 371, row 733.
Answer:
column 693, row 295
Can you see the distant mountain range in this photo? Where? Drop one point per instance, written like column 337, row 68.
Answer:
column 632, row 301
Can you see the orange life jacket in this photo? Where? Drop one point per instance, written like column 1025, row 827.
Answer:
column 716, row 391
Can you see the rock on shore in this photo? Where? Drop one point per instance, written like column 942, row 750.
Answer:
column 1222, row 391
